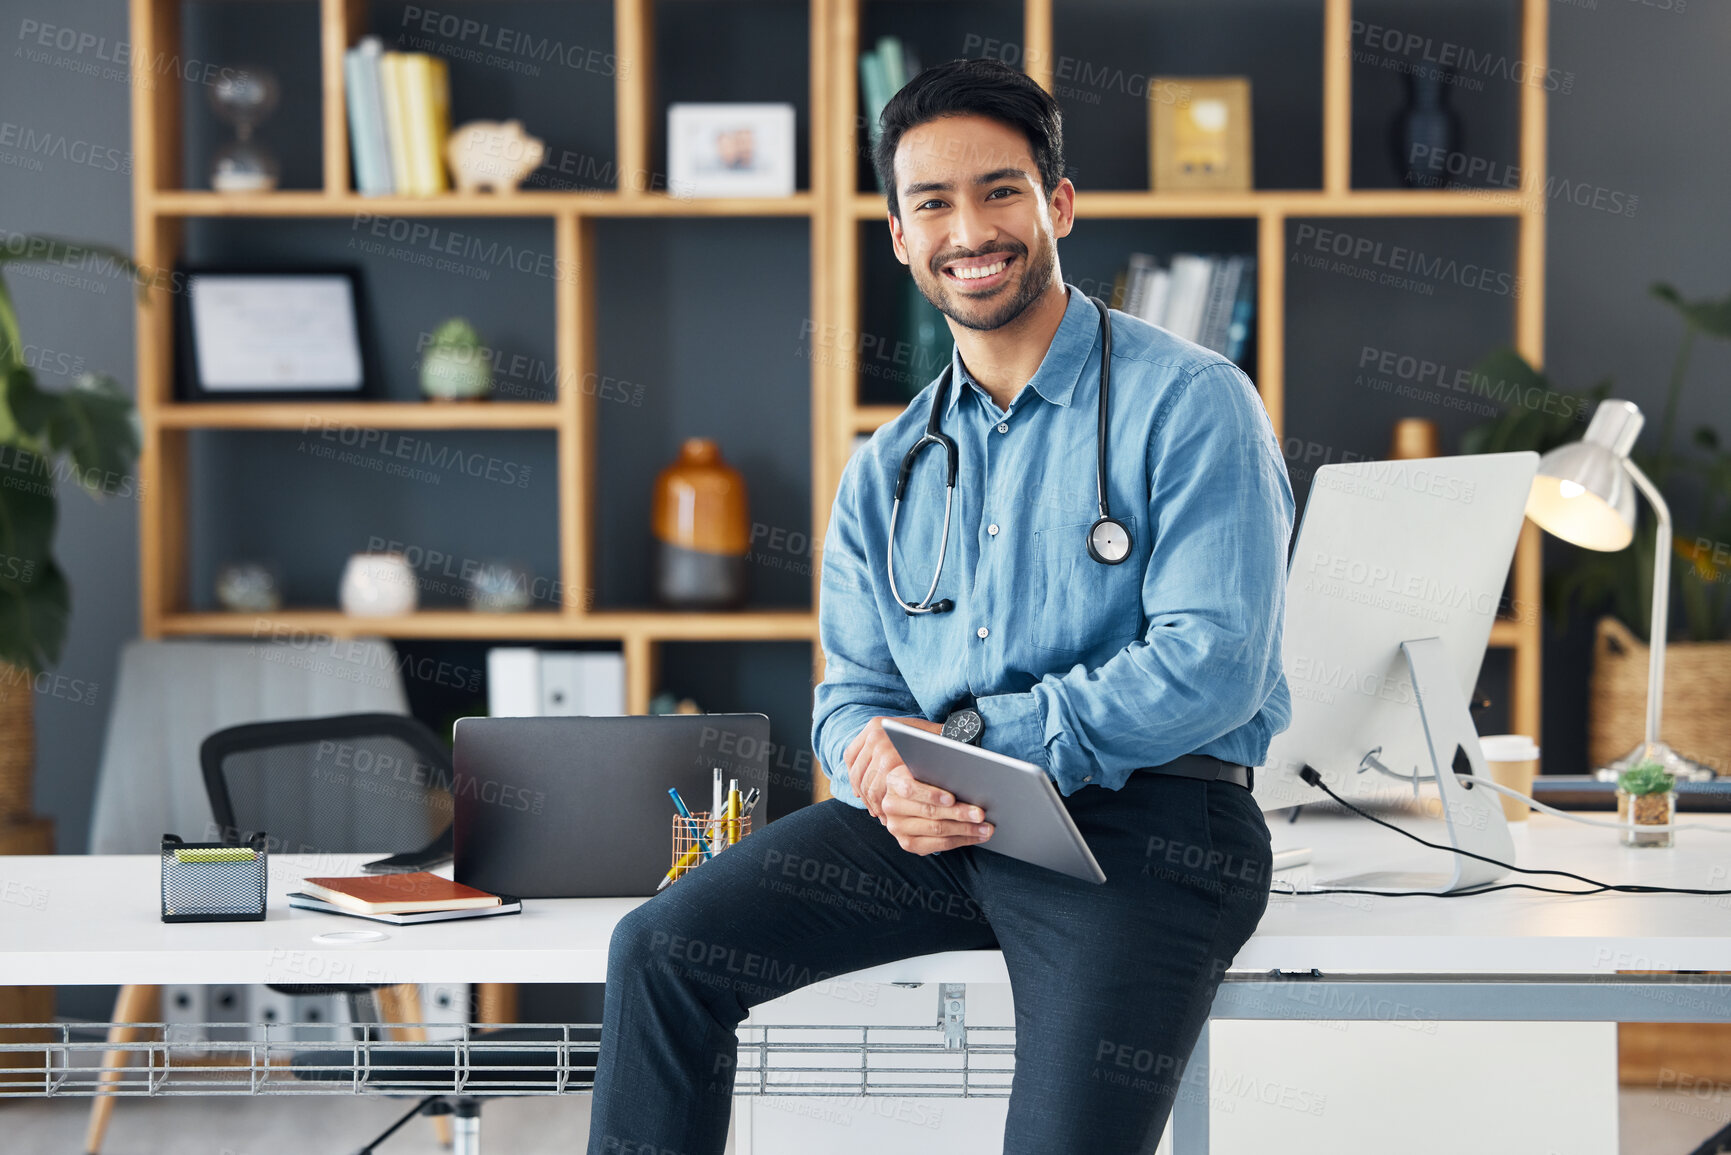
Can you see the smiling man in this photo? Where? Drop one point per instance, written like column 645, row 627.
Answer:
column 1140, row 668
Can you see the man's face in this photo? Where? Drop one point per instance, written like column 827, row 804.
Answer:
column 970, row 200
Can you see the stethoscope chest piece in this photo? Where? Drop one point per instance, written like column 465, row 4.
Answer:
column 1108, row 541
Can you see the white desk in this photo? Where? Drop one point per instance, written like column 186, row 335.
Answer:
column 1514, row 955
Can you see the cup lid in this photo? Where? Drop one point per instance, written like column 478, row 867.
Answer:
column 1508, row 748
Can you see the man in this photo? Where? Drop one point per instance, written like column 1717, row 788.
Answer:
column 1145, row 689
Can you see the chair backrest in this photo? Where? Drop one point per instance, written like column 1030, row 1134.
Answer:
column 345, row 784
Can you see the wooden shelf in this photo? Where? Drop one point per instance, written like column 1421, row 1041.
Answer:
column 867, row 418
column 528, row 203
column 538, row 625
column 365, row 414
column 1294, row 203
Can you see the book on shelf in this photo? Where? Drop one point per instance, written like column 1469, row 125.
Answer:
column 506, row 905
column 367, row 137
column 883, row 70
column 523, row 682
column 418, row 890
column 1208, row 299
column 411, row 116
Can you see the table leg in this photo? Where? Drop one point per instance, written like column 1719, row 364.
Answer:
column 402, row 1004
column 134, row 1004
column 1190, row 1111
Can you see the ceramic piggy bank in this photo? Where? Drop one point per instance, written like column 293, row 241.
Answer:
column 492, row 154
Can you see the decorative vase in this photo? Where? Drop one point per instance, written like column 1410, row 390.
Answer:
column 701, row 529
column 1637, row 810
column 454, row 366
column 378, row 585
column 1426, row 132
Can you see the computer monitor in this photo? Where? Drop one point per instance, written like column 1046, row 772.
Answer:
column 1394, row 583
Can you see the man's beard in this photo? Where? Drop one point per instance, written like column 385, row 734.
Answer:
column 1036, row 276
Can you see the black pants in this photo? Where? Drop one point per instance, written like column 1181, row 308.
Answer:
column 1111, row 983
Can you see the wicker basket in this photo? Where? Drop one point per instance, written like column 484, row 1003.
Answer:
column 1696, row 721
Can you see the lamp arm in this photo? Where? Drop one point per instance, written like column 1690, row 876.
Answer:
column 1661, row 600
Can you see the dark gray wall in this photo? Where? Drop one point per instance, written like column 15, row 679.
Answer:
column 1643, row 117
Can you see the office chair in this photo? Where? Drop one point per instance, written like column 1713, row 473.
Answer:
column 494, row 1066
column 353, row 782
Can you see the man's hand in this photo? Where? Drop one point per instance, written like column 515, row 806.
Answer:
column 923, row 818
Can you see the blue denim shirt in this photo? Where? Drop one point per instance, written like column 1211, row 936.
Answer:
column 1085, row 669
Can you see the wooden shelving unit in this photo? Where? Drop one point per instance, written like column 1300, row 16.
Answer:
column 834, row 208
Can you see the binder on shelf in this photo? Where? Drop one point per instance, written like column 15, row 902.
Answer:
column 395, row 90
column 523, row 682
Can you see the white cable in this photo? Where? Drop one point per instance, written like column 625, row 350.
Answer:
column 1535, row 804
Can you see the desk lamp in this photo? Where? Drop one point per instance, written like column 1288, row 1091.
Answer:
column 1582, row 494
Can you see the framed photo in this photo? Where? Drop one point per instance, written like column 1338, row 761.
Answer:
column 1199, row 133
column 251, row 334
column 730, row 150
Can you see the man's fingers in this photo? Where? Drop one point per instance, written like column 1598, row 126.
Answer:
column 922, row 845
column 905, row 784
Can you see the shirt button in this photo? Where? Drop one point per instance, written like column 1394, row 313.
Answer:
column 992, row 529
column 982, row 632
column 1003, row 428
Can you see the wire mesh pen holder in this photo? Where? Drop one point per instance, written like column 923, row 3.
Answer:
column 213, row 881
column 688, row 849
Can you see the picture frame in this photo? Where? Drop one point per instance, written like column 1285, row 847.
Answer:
column 730, row 150
column 1199, row 133
column 251, row 333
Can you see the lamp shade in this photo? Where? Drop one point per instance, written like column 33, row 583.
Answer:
column 1582, row 493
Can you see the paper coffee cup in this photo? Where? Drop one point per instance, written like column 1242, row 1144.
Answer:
column 1513, row 760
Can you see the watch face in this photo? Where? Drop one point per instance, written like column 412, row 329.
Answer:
column 964, row 726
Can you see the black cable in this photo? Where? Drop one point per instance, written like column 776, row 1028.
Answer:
column 1310, row 775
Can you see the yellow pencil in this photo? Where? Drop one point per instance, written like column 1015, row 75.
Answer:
column 685, row 861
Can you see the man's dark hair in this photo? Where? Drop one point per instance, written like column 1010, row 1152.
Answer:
column 979, row 87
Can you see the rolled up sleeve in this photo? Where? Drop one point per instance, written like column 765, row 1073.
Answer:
column 1220, row 511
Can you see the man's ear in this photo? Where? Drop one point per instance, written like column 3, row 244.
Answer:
column 1063, row 208
column 896, row 241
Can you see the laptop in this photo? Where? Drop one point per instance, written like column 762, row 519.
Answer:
column 577, row 807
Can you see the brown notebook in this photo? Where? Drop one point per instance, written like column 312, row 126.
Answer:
column 397, row 893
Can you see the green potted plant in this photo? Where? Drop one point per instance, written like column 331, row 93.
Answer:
column 86, row 434
column 453, row 366
column 1696, row 481
column 1647, row 796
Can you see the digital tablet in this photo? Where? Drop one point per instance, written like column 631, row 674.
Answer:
column 1028, row 817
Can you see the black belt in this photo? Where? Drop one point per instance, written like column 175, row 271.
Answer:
column 1206, row 767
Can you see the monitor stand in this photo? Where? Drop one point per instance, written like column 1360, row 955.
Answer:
column 1474, row 817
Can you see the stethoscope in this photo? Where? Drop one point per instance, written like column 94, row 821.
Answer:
column 1108, row 540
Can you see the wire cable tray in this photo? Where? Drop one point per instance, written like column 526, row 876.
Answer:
column 73, row 1059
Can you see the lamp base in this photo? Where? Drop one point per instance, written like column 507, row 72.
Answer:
column 1684, row 769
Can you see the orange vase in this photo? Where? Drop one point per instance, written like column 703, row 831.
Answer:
column 702, row 530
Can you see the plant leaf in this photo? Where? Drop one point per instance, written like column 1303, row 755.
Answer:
column 34, row 598
column 1710, row 317
column 92, row 421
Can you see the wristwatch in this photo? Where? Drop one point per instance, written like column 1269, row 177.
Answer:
column 965, row 725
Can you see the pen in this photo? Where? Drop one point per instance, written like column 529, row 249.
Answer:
column 750, row 800
column 720, row 832
column 685, row 860
column 673, row 793
column 733, row 811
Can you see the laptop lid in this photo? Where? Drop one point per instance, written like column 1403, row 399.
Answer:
column 577, row 807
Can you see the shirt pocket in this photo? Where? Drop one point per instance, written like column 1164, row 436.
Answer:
column 1084, row 608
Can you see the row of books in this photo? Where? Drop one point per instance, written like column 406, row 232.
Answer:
column 1210, row 300
column 882, row 72
column 399, row 106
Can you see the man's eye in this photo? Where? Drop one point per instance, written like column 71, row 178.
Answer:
column 996, row 191
column 923, row 204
